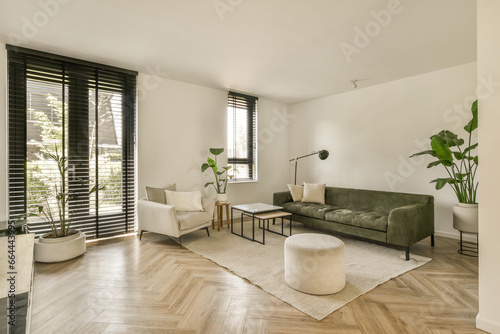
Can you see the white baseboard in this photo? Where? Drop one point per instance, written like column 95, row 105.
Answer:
column 487, row 325
column 465, row 236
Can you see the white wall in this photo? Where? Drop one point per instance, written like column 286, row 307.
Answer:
column 371, row 132
column 488, row 55
column 177, row 124
column 3, row 135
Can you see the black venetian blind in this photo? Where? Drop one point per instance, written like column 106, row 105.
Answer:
column 86, row 112
column 242, row 128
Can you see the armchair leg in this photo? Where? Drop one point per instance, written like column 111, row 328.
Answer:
column 206, row 228
column 142, row 231
column 180, row 242
column 408, row 253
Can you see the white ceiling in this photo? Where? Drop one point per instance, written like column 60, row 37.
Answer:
column 284, row 50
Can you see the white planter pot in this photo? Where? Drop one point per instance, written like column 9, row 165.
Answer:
column 465, row 217
column 60, row 249
column 222, row 198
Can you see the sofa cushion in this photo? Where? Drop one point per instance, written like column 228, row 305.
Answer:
column 370, row 220
column 381, row 201
column 314, row 193
column 296, row 191
column 308, row 209
column 192, row 219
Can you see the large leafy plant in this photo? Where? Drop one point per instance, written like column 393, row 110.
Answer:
column 57, row 215
column 460, row 163
column 221, row 175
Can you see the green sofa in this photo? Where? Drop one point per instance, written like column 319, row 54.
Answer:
column 394, row 218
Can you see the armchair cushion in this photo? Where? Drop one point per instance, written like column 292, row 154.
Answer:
column 184, row 201
column 187, row 220
column 158, row 194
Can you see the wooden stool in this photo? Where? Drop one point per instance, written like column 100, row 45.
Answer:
column 220, row 213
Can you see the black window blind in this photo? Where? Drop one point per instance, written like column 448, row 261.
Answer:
column 242, row 128
column 86, row 112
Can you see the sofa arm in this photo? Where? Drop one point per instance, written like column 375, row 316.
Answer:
column 281, row 198
column 208, row 204
column 157, row 217
column 409, row 224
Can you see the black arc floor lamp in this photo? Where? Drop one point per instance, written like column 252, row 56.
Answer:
column 323, row 154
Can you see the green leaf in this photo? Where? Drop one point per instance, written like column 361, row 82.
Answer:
column 470, row 148
column 430, row 152
column 435, row 163
column 440, row 183
column 221, row 172
column 441, row 147
column 472, row 125
column 212, row 164
column 476, row 160
column 96, row 188
column 216, row 151
column 208, row 183
column 446, row 163
column 204, row 167
column 458, row 155
column 450, row 138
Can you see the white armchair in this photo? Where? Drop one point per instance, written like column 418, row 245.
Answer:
column 163, row 219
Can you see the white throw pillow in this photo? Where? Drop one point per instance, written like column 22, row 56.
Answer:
column 184, row 201
column 314, row 193
column 296, row 191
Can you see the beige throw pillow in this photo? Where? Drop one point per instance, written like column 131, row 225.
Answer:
column 314, row 193
column 296, row 191
column 158, row 194
column 184, row 201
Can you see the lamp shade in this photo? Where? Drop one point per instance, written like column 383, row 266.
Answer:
column 323, row 154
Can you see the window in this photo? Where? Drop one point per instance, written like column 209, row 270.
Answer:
column 86, row 112
column 241, row 141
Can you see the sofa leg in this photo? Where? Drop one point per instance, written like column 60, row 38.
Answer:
column 408, row 253
column 432, row 240
column 140, row 237
column 206, row 228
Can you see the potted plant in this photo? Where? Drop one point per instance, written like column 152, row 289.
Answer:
column 461, row 166
column 221, row 175
column 62, row 243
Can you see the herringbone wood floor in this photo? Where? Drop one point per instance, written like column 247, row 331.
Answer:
column 125, row 285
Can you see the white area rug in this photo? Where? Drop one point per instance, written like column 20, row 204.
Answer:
column 367, row 265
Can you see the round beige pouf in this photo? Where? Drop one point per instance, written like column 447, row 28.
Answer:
column 315, row 263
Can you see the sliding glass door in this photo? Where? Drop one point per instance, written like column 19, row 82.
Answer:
column 86, row 113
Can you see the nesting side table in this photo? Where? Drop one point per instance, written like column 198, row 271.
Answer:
column 220, row 214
